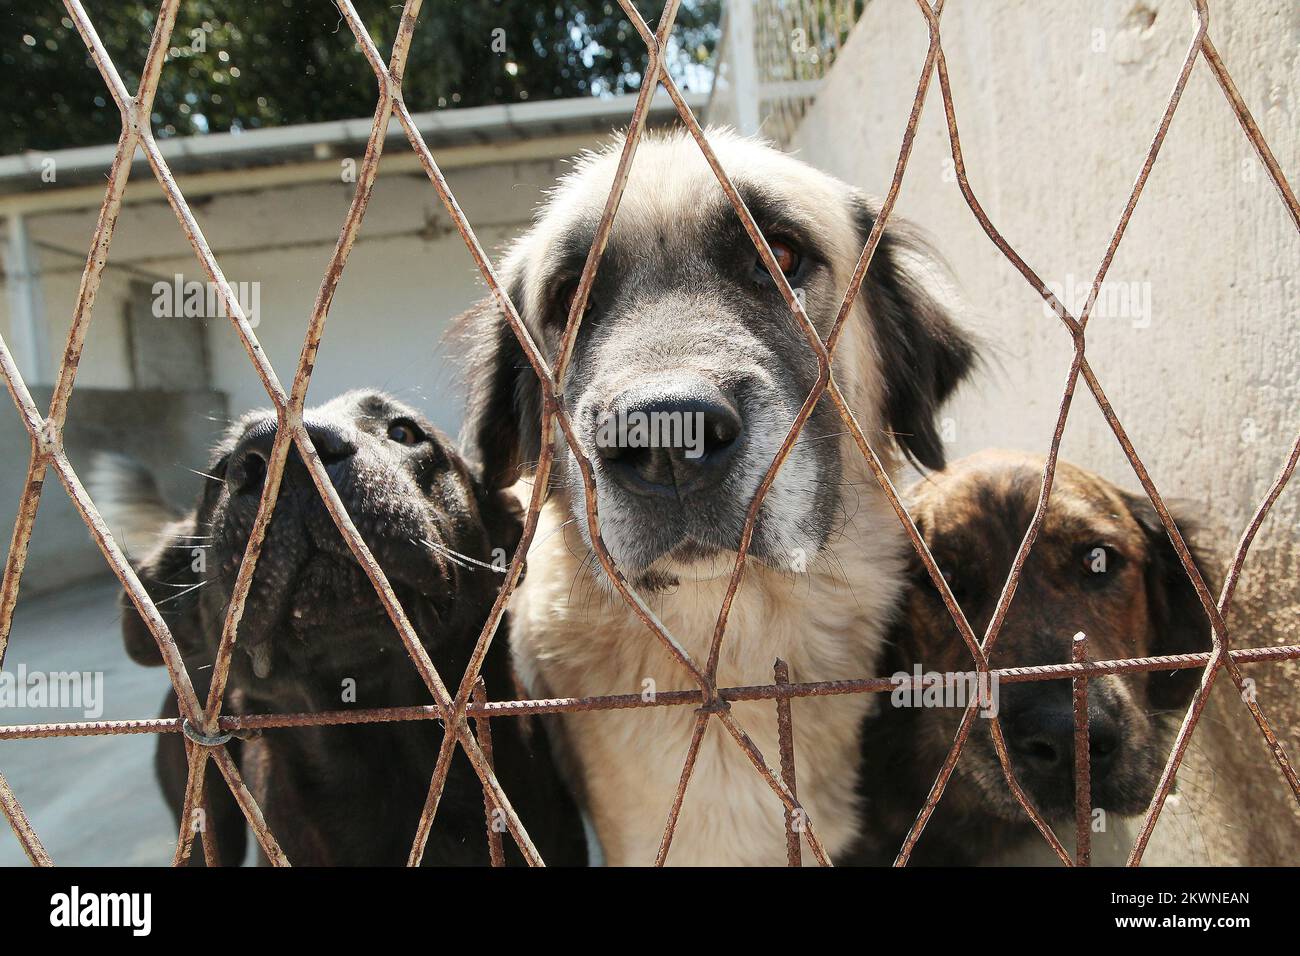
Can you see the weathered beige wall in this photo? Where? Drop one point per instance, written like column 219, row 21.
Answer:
column 1057, row 102
column 408, row 276
column 406, row 279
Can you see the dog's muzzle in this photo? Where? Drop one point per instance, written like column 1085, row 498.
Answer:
column 678, row 455
column 299, row 530
column 1038, row 719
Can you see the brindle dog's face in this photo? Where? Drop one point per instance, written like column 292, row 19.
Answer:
column 312, row 614
column 1103, row 565
column 687, row 331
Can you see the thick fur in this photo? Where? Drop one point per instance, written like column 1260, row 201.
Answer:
column 682, row 306
column 315, row 637
column 1103, row 565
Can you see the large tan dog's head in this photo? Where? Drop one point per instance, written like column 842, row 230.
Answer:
column 689, row 368
column 1103, row 565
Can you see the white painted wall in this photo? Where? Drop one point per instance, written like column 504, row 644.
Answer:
column 1057, row 102
column 408, row 276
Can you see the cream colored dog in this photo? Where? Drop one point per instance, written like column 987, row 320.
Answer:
column 686, row 330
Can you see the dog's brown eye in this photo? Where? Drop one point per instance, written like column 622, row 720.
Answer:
column 786, row 257
column 571, row 293
column 405, row 432
column 954, row 583
column 1100, row 559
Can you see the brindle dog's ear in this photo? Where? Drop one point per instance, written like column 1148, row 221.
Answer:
column 171, row 575
column 1179, row 621
column 502, row 429
column 923, row 353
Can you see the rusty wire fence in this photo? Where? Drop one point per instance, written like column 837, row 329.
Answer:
column 207, row 729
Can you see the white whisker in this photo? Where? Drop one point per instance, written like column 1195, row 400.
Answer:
column 188, row 589
column 461, row 559
column 203, row 474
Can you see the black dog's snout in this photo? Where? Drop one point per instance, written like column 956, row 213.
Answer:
column 669, row 440
column 1042, row 736
column 248, row 462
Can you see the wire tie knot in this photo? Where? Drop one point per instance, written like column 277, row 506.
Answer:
column 203, row 740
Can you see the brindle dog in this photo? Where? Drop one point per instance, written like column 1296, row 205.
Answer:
column 315, row 637
column 1103, row 565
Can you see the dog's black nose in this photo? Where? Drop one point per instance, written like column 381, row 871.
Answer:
column 669, row 439
column 247, row 468
column 1041, row 737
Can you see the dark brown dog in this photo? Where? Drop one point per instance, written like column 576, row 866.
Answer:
column 1103, row 565
column 315, row 637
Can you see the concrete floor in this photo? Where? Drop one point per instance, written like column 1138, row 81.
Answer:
column 93, row 801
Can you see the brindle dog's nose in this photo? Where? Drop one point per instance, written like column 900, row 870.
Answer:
column 673, row 440
column 247, row 469
column 1042, row 736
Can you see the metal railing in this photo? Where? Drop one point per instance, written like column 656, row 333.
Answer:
column 772, row 59
column 208, row 727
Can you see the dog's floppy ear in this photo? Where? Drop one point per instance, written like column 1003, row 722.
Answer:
column 502, row 429
column 1178, row 620
column 171, row 574
column 923, row 353
column 174, row 548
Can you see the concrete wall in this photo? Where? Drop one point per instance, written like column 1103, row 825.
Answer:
column 1057, row 103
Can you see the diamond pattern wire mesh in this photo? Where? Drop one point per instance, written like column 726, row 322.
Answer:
column 207, row 728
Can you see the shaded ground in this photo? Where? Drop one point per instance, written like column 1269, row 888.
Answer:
column 92, row 800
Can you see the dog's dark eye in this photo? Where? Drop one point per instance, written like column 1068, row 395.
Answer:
column 569, row 293
column 405, row 432
column 787, row 257
column 955, row 583
column 1099, row 561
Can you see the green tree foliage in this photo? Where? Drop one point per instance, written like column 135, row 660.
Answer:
column 246, row 64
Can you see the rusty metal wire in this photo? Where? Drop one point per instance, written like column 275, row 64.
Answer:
column 785, row 734
column 1082, row 756
column 675, row 698
column 469, row 703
